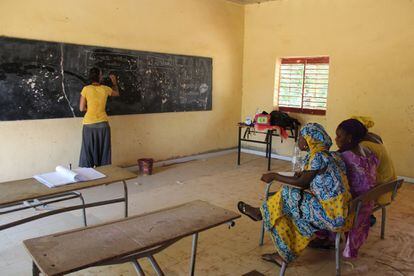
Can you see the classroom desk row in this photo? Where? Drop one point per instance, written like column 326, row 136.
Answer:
column 125, row 240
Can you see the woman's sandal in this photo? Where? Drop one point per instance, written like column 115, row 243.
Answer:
column 273, row 258
column 242, row 209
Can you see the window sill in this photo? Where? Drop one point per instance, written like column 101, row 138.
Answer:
column 303, row 110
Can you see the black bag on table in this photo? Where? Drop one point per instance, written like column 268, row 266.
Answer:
column 282, row 119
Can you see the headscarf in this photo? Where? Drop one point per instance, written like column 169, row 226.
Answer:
column 368, row 122
column 356, row 129
column 316, row 137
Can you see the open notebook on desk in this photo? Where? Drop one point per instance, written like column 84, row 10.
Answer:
column 62, row 176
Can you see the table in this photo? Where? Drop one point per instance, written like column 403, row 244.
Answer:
column 126, row 240
column 14, row 194
column 270, row 131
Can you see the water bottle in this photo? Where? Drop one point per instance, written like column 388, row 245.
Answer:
column 297, row 159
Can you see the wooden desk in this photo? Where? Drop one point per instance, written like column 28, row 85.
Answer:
column 125, row 240
column 269, row 131
column 14, row 193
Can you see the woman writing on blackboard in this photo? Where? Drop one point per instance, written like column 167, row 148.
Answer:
column 96, row 134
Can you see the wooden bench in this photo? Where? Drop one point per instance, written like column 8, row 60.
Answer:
column 125, row 240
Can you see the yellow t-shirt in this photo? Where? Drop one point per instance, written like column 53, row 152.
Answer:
column 385, row 171
column 96, row 96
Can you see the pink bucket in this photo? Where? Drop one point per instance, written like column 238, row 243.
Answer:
column 145, row 165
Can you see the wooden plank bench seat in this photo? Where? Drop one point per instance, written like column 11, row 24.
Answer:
column 125, row 240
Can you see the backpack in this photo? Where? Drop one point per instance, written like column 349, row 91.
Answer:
column 282, row 119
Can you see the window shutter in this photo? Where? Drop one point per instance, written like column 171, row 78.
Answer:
column 291, row 84
column 303, row 85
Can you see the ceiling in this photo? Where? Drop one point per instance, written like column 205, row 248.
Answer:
column 245, row 2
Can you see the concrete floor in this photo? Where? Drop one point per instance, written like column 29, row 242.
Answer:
column 221, row 251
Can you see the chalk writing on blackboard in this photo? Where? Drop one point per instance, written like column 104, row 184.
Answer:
column 41, row 80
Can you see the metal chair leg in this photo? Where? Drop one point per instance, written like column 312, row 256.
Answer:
column 266, row 196
column 384, row 214
column 262, row 230
column 283, row 269
column 338, row 253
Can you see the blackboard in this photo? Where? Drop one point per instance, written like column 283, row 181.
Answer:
column 43, row 80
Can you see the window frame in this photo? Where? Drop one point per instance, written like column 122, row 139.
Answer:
column 305, row 61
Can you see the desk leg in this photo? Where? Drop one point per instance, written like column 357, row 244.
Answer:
column 35, row 270
column 193, row 254
column 267, row 144
column 83, row 209
column 296, row 133
column 126, row 197
column 239, row 147
column 138, row 268
column 155, row 265
column 270, row 150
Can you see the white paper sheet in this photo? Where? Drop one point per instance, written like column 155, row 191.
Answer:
column 86, row 174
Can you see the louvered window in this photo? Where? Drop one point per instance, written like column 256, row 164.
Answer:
column 303, row 85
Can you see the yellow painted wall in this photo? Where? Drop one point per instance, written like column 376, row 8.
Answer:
column 369, row 42
column 371, row 49
column 211, row 28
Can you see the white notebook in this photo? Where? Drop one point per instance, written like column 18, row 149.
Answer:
column 62, row 176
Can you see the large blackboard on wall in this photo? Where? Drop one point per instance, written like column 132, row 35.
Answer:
column 42, row 80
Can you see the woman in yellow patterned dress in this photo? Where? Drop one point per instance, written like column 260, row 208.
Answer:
column 292, row 216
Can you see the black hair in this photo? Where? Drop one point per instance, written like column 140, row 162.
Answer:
column 356, row 129
column 94, row 74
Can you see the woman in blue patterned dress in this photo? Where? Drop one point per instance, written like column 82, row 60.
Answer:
column 292, row 215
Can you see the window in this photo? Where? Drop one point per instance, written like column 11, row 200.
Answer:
column 303, row 85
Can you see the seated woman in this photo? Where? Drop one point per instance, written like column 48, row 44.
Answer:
column 361, row 166
column 292, row 215
column 385, row 170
